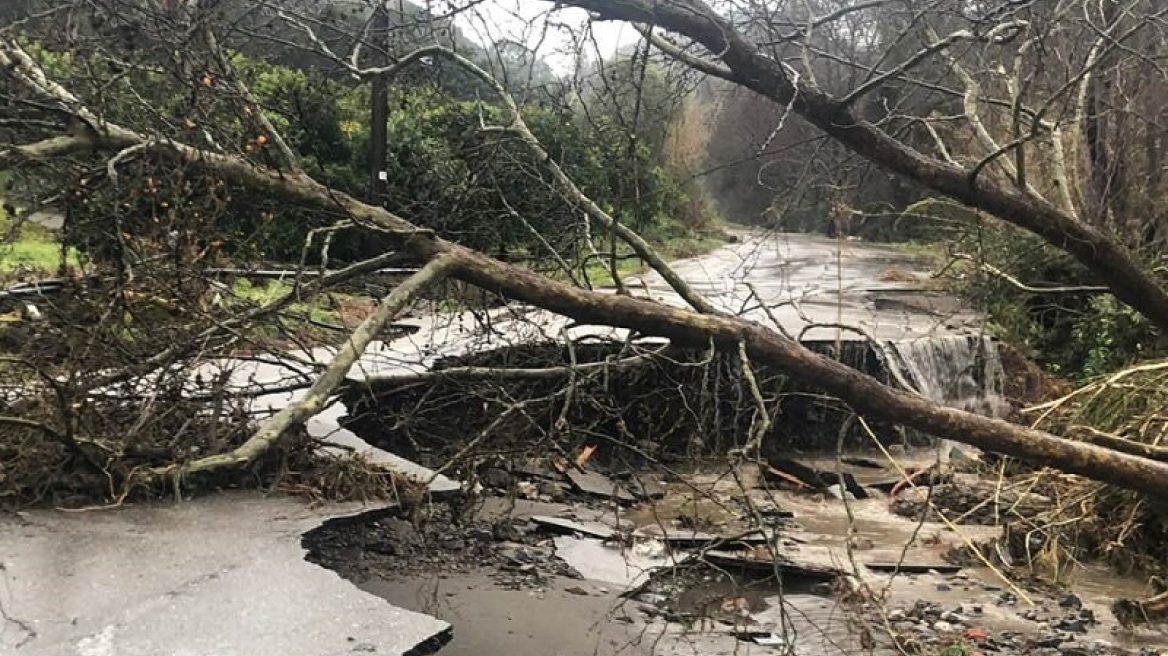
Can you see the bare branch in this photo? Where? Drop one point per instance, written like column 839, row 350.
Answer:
column 332, row 377
column 1057, row 289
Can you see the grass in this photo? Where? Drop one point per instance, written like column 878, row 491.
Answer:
column 311, row 320
column 32, row 254
column 29, row 246
column 321, row 309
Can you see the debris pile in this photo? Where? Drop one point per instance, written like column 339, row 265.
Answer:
column 735, row 555
column 1123, row 411
column 970, row 500
column 1059, row 627
column 516, row 554
column 648, row 401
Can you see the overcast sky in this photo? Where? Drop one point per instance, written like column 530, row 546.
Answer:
column 554, row 33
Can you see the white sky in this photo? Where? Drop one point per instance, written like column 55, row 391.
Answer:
column 553, row 33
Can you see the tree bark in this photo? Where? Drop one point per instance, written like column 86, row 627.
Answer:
column 763, row 345
column 748, row 67
column 864, row 393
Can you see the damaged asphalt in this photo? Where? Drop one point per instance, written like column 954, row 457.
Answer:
column 227, row 575
column 219, row 576
column 522, row 574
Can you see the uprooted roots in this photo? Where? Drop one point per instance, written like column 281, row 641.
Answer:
column 1124, row 411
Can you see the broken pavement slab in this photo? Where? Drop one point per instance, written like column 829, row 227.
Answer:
column 794, row 471
column 223, row 575
column 595, row 484
column 564, row 526
column 596, row 561
column 326, row 427
column 675, row 538
column 913, row 568
column 766, row 566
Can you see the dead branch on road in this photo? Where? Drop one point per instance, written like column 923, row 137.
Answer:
column 863, row 393
column 326, row 383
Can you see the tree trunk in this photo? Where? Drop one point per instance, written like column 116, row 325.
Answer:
column 748, row 67
column 863, row 393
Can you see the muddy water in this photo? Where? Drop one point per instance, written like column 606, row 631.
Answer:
column 489, row 621
column 820, row 536
column 589, row 618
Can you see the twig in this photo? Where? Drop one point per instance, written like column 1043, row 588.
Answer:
column 1071, row 289
column 314, row 400
column 1117, row 443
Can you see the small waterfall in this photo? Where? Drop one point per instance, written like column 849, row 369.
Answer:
column 959, row 371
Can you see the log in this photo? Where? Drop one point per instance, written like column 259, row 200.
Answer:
column 865, row 394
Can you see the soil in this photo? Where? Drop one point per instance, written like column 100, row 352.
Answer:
column 1026, row 382
column 506, row 550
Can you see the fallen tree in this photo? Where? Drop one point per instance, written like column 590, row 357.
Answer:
column 736, row 59
column 757, row 343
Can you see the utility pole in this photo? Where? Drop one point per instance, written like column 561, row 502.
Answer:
column 379, row 119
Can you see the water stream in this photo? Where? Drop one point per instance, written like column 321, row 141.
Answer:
column 960, row 371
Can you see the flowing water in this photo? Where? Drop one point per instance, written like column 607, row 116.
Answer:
column 960, row 371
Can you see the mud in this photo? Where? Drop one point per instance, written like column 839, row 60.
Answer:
column 522, row 590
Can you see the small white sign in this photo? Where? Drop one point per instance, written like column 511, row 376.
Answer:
column 383, row 175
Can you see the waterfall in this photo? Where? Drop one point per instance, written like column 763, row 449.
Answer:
column 960, row 371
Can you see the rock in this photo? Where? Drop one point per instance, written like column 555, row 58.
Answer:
column 652, row 599
column 896, row 615
column 506, row 532
column 1074, row 625
column 577, row 590
column 553, row 491
column 839, row 493
column 822, row 588
column 649, row 610
column 528, row 490
column 401, row 531
column 944, row 587
column 861, row 543
column 941, row 626
column 1070, row 601
column 976, row 634
column 495, row 478
column 896, row 449
column 593, row 483
column 1047, row 639
column 954, row 618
